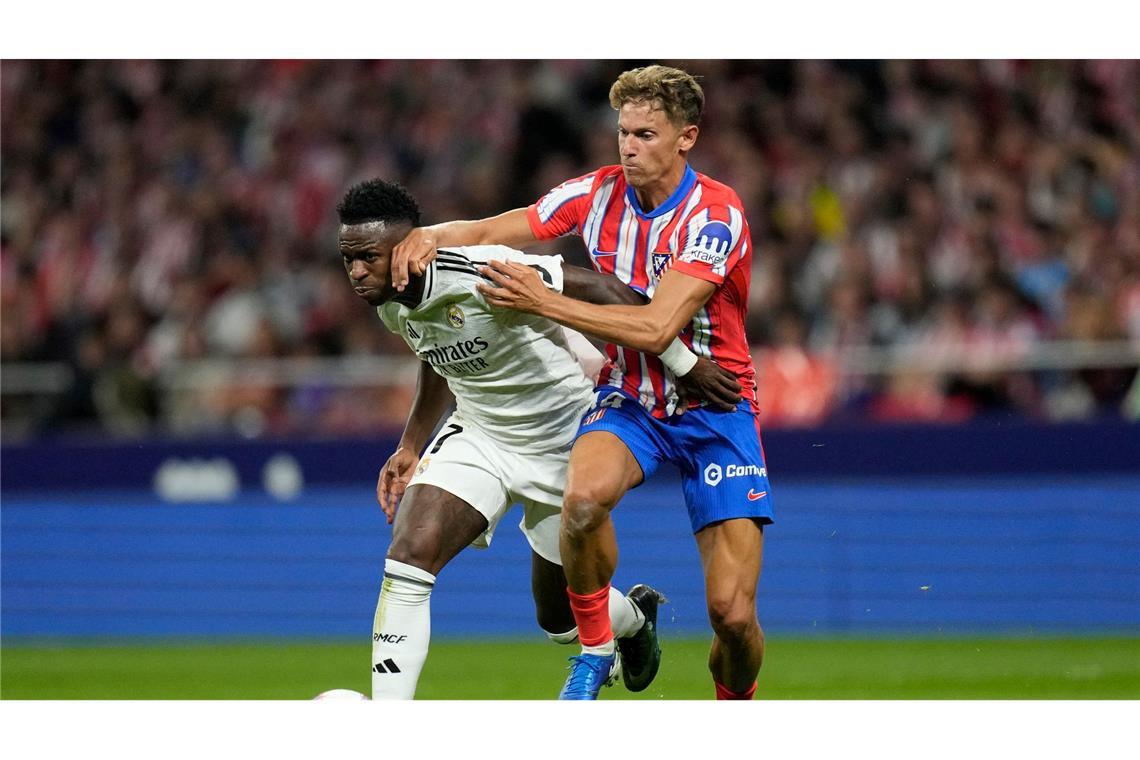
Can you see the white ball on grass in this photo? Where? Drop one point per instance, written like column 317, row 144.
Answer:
column 347, row 695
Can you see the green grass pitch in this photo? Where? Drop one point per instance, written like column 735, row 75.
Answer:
column 910, row 668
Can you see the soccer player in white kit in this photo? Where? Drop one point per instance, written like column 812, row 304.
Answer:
column 520, row 386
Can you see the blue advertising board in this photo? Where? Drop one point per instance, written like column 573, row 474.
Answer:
column 225, row 538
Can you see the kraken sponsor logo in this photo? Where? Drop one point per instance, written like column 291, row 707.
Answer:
column 712, row 244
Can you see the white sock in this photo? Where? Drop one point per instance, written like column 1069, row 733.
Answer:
column 401, row 630
column 605, row 649
column 569, row 637
column 625, row 618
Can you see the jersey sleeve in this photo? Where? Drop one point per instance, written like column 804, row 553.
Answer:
column 715, row 239
column 561, row 211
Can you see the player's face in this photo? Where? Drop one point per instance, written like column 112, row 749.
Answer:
column 366, row 252
column 652, row 148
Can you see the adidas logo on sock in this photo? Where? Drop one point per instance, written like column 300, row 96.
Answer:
column 388, row 666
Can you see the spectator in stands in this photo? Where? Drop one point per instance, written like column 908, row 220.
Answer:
column 199, row 192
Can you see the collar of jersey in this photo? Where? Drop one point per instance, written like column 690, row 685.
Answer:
column 688, row 179
column 418, row 287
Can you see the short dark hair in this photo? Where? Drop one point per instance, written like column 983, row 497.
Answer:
column 378, row 201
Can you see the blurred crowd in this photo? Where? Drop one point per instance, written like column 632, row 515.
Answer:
column 155, row 213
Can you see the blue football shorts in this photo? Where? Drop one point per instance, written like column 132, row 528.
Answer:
column 718, row 453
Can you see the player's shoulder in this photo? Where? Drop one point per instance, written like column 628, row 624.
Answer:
column 479, row 254
column 549, row 267
column 717, row 193
column 389, row 314
column 453, row 274
column 607, row 172
column 610, row 176
column 587, row 183
column 457, row 261
column 601, row 174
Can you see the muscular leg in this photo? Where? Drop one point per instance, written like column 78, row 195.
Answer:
column 731, row 555
column 431, row 527
column 601, row 470
column 552, row 604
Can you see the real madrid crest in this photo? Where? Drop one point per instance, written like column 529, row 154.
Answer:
column 423, row 465
column 455, row 316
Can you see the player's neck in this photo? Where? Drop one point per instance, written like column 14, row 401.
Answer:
column 652, row 195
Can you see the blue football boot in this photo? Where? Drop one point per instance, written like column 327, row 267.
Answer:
column 588, row 674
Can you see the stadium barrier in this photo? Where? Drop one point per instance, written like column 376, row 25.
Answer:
column 204, row 396
column 988, row 527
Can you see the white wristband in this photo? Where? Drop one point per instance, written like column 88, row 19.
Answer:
column 678, row 358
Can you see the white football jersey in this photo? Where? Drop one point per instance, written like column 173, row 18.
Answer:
column 514, row 375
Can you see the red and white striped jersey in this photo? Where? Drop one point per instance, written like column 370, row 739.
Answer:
column 700, row 230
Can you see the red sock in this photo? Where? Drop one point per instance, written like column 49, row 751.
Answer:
column 592, row 614
column 723, row 693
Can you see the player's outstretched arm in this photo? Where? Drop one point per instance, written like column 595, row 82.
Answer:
column 433, row 398
column 417, row 249
column 697, row 377
column 649, row 327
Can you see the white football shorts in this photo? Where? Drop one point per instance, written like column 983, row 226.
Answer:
column 491, row 478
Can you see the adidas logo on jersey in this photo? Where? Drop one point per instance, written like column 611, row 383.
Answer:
column 411, row 331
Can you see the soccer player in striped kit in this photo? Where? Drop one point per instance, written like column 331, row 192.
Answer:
column 682, row 239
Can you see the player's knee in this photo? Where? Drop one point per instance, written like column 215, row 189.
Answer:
column 733, row 617
column 418, row 548
column 582, row 515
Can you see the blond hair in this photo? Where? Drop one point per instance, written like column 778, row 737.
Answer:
column 673, row 91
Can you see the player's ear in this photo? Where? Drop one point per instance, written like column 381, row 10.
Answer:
column 688, row 137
